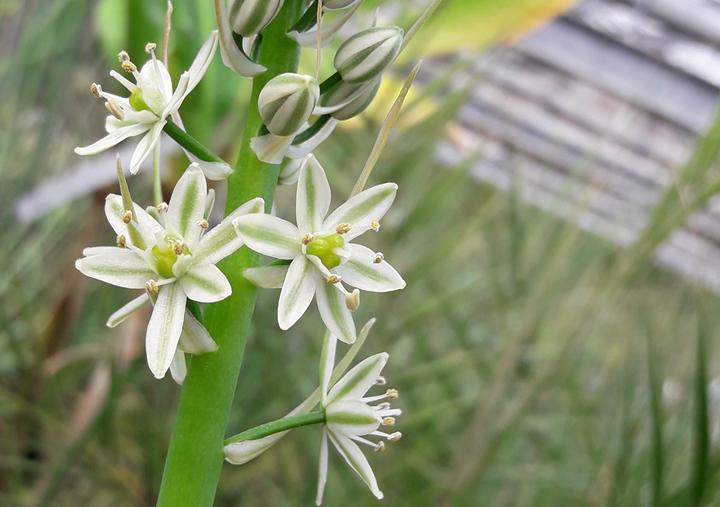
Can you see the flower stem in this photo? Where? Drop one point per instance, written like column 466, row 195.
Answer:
column 195, row 457
column 190, row 143
column 272, row 427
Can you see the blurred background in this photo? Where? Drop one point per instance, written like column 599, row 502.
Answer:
column 557, row 224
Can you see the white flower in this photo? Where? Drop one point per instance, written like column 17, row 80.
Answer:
column 321, row 253
column 173, row 259
column 349, row 417
column 152, row 100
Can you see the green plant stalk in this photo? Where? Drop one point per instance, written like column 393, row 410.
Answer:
column 195, row 456
column 190, row 143
column 278, row 425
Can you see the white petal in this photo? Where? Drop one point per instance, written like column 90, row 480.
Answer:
column 269, row 235
column 231, row 55
column 271, row 148
column 124, row 268
column 127, row 310
column 357, row 461
column 215, row 171
column 297, row 292
column 163, row 332
column 222, row 240
column 147, row 226
column 351, row 417
column 322, row 467
column 334, row 313
column 327, row 363
column 145, row 146
column 194, row 338
column 313, row 196
column 363, row 272
column 306, row 147
column 113, row 138
column 209, row 202
column 187, row 206
column 205, row 283
column 239, row 453
column 356, row 382
column 178, row 367
column 361, row 210
column 267, row 277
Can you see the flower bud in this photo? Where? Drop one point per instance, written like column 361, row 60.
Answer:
column 334, row 5
column 360, row 95
column 287, row 101
column 367, row 54
column 250, row 17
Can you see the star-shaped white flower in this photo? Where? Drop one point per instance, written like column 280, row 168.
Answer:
column 151, row 102
column 173, row 259
column 349, row 417
column 321, row 253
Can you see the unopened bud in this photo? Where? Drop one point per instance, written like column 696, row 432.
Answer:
column 352, row 300
column 362, row 93
column 367, row 54
column 332, row 5
column 250, row 17
column 287, row 101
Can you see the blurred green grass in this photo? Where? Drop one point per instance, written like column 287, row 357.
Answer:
column 537, row 365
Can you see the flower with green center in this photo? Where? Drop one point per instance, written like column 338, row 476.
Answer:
column 151, row 102
column 321, row 253
column 350, row 417
column 171, row 257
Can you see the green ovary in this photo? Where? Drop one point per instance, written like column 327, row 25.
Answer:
column 165, row 256
column 137, row 102
column 324, row 249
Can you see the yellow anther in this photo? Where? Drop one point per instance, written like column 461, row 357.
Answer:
column 379, row 257
column 342, row 228
column 352, row 300
column 394, row 437
column 380, row 447
column 114, row 110
column 95, row 90
column 162, row 207
column 380, row 381
column 333, row 279
column 120, row 241
column 151, row 287
column 127, row 216
column 307, row 238
column 128, row 66
column 203, row 223
column 388, row 421
column 123, row 56
column 375, row 225
column 179, row 247
column 392, row 394
column 150, row 47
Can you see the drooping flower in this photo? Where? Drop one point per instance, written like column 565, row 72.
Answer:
column 350, row 417
column 172, row 257
column 151, row 102
column 321, row 253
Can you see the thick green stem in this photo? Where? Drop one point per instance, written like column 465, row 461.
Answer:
column 195, row 457
column 278, row 425
column 190, row 143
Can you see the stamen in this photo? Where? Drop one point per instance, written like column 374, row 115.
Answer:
column 380, row 381
column 203, row 223
column 151, row 287
column 380, row 447
column 114, row 110
column 389, row 412
column 375, row 225
column 352, row 300
column 307, row 238
column 333, row 279
column 120, row 241
column 392, row 394
column 128, row 67
column 150, row 47
column 382, row 406
column 162, row 207
column 394, row 437
column 342, row 228
column 123, row 57
column 95, row 90
column 388, row 421
column 127, row 216
column 365, row 441
column 179, row 247
column 379, row 257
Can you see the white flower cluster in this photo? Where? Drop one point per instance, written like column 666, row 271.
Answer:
column 169, row 252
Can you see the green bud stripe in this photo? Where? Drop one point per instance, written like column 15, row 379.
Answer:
column 358, row 105
column 249, row 17
column 337, row 308
column 264, row 234
column 351, row 382
column 350, row 418
column 189, row 203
